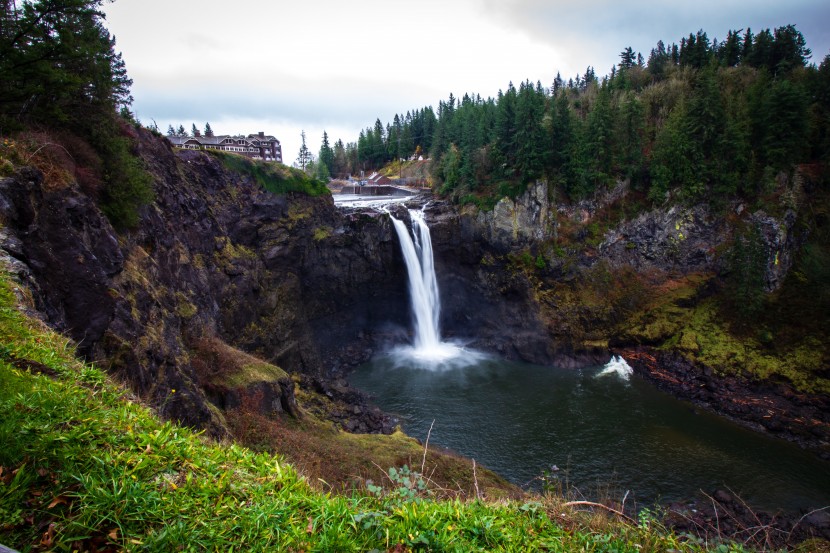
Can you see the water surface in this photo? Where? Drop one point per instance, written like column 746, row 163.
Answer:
column 606, row 434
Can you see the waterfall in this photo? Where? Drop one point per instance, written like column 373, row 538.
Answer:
column 423, row 286
column 427, row 350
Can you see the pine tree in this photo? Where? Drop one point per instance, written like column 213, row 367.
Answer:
column 674, row 160
column 600, row 139
column 557, row 84
column 304, row 157
column 193, row 130
column 326, row 156
column 629, row 137
column 730, row 51
column 530, row 139
column 657, row 61
column 340, row 165
column 746, row 278
column 627, row 58
column 789, row 50
column 560, row 135
column 208, row 130
column 505, row 131
column 171, row 131
column 785, row 122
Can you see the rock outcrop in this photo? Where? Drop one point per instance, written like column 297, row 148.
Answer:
column 516, row 223
column 283, row 276
column 316, row 290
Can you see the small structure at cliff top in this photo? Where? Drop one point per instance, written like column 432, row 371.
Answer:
column 254, row 146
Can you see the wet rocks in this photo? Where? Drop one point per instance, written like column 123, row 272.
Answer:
column 679, row 238
column 347, row 407
column 516, row 223
column 723, row 516
column 775, row 408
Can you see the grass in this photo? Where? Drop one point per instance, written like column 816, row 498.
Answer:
column 273, row 177
column 83, row 467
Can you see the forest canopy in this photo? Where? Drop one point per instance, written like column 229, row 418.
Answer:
column 702, row 117
column 60, row 75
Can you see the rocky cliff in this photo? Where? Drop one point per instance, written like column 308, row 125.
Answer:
column 218, row 266
column 214, row 257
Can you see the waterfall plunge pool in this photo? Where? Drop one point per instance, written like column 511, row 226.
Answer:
column 607, row 434
column 599, row 431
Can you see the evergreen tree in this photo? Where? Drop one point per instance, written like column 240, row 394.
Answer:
column 193, row 130
column 746, row 47
column 627, row 59
column 505, row 131
column 761, row 53
column 705, row 126
column 208, row 130
column 629, row 138
column 180, row 131
column 326, row 156
column 730, row 51
column 340, row 165
column 530, row 137
column 321, row 171
column 560, row 135
column 171, row 131
column 747, row 269
column 789, row 50
column 58, row 65
column 600, row 139
column 657, row 61
column 820, row 112
column 785, row 124
column 674, row 159
column 378, row 145
column 557, row 84
column 304, row 157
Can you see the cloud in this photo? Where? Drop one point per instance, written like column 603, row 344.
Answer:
column 325, row 64
column 593, row 32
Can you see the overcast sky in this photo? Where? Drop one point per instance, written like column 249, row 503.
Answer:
column 282, row 67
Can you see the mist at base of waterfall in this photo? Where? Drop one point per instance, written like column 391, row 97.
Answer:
column 435, row 357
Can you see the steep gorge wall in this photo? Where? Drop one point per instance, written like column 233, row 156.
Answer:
column 287, row 277
column 316, row 290
column 511, row 281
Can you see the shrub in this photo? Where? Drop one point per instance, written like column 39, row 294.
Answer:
column 273, row 177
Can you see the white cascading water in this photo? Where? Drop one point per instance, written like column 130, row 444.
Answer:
column 427, row 349
column 618, row 366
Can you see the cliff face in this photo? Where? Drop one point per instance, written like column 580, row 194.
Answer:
column 286, row 277
column 316, row 290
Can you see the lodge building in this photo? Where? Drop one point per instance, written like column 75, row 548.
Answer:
column 254, row 146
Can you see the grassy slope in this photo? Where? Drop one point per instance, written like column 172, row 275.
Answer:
column 82, row 466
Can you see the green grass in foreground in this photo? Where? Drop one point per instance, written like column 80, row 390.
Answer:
column 83, row 467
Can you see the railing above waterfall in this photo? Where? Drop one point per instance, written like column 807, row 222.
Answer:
column 377, row 190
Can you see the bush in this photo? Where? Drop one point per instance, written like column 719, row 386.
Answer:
column 128, row 186
column 273, row 177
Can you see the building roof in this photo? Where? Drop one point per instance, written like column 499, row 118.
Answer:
column 251, row 139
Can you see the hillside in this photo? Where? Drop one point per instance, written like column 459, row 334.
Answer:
column 86, row 467
column 177, row 326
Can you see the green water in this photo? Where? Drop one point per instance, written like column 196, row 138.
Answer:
column 607, row 435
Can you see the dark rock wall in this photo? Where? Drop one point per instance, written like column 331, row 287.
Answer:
column 286, row 277
column 310, row 288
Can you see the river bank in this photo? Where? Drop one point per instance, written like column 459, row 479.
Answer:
column 773, row 408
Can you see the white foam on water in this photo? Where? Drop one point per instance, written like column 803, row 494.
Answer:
column 618, row 366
